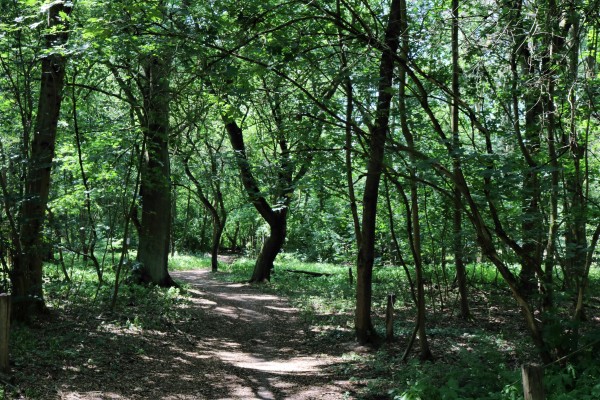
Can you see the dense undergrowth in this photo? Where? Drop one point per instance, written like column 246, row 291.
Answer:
column 81, row 333
column 475, row 359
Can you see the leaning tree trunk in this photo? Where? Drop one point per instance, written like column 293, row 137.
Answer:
column 271, row 247
column 27, row 271
column 366, row 254
column 277, row 220
column 155, row 189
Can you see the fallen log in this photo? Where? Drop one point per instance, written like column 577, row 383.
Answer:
column 316, row 274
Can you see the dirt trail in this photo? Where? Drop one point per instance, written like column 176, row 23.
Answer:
column 258, row 347
column 236, row 343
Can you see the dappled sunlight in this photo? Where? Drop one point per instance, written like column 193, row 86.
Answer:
column 289, row 310
column 90, row 395
column 259, row 297
column 227, row 342
column 220, row 343
column 293, row 365
column 202, row 301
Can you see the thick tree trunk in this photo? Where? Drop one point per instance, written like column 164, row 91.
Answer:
column 155, row 189
column 270, row 249
column 27, row 271
column 366, row 253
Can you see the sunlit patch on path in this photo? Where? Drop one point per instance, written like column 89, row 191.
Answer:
column 263, row 352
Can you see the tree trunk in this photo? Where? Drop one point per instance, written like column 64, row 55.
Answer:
column 529, row 144
column 4, row 333
column 366, row 253
column 576, row 235
column 27, row 271
column 413, row 217
column 277, row 220
column 425, row 352
column 461, row 274
column 155, row 189
column 533, row 382
column 216, row 243
column 217, row 212
column 348, row 130
column 270, row 249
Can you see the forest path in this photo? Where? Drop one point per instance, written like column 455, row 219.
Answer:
column 252, row 345
column 221, row 341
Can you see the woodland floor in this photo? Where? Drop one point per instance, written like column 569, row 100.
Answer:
column 234, row 342
column 224, row 340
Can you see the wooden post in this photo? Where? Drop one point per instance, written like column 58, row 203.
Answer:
column 389, row 318
column 4, row 331
column 350, row 277
column 533, row 382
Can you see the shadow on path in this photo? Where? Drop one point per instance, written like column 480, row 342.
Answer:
column 236, row 343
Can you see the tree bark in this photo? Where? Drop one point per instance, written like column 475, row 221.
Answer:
column 27, row 271
column 155, row 188
column 413, row 223
column 533, row 382
column 275, row 218
column 461, row 274
column 365, row 332
column 217, row 212
column 348, row 147
column 271, row 247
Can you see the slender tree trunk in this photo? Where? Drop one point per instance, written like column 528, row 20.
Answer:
column 129, row 211
column 88, row 249
column 413, row 206
column 173, row 219
column 233, row 239
column 27, row 271
column 395, row 238
column 216, row 242
column 425, row 352
column 218, row 215
column 583, row 282
column 363, row 324
column 348, row 130
column 576, row 235
column 202, row 243
column 529, row 144
column 553, row 222
column 461, row 274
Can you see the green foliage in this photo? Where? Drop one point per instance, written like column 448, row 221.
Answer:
column 183, row 262
column 281, row 73
column 239, row 270
column 137, row 306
